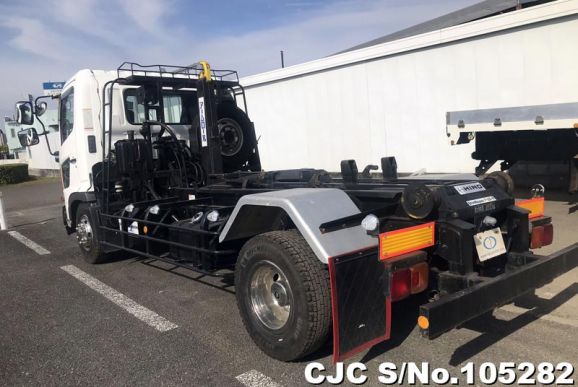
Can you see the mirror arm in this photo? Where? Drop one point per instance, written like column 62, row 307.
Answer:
column 44, row 132
column 48, row 145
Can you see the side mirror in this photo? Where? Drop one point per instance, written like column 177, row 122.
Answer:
column 24, row 113
column 41, row 108
column 28, row 137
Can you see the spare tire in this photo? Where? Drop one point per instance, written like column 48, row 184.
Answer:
column 503, row 180
column 237, row 137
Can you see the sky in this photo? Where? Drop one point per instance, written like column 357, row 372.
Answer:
column 49, row 40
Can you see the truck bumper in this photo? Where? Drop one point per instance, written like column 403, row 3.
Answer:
column 526, row 273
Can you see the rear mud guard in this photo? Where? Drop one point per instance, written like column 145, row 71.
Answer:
column 360, row 302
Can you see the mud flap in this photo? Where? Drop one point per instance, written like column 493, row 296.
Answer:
column 360, row 302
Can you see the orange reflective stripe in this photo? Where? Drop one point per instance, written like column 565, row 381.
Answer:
column 406, row 240
column 535, row 206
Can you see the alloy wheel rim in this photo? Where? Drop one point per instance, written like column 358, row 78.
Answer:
column 84, row 233
column 271, row 295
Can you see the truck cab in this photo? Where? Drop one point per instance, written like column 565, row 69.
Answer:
column 81, row 137
column 83, row 105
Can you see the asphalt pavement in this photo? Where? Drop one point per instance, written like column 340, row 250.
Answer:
column 35, row 193
column 57, row 329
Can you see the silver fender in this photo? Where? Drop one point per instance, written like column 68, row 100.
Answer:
column 308, row 208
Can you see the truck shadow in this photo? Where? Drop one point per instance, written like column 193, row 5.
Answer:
column 404, row 316
column 225, row 284
column 493, row 330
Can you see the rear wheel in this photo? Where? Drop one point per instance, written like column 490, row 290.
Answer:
column 86, row 236
column 283, row 295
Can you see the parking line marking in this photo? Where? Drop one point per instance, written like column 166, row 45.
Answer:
column 254, row 378
column 144, row 314
column 28, row 243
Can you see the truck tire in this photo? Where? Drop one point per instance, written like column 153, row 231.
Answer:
column 283, row 295
column 236, row 138
column 235, row 131
column 86, row 237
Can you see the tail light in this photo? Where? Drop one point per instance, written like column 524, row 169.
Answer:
column 548, row 235
column 419, row 277
column 542, row 236
column 409, row 281
column 400, row 284
column 536, row 239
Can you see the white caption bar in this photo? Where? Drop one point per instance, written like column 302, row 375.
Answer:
column 28, row 243
column 146, row 315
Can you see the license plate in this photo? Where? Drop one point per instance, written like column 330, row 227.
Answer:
column 489, row 244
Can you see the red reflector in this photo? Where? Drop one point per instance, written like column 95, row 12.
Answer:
column 548, row 234
column 400, row 284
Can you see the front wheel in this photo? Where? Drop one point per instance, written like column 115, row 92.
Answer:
column 283, row 295
column 86, row 236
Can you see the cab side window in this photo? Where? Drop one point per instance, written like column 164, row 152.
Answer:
column 66, row 114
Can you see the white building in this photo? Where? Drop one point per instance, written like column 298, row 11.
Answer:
column 39, row 160
column 390, row 97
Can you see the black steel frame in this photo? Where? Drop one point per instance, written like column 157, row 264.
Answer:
column 190, row 77
column 526, row 272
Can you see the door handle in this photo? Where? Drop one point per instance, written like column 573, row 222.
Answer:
column 72, row 161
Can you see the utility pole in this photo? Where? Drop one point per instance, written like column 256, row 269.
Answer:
column 282, row 60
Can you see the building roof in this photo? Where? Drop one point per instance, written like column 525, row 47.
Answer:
column 477, row 11
column 550, row 11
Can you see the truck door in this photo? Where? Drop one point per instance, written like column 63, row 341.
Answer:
column 68, row 149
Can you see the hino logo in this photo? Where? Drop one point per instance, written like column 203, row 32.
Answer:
column 465, row 189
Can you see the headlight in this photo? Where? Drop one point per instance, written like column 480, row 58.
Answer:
column 129, row 208
column 154, row 210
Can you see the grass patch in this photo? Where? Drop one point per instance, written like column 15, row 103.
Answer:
column 13, row 173
column 40, row 180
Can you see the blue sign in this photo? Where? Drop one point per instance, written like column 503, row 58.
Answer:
column 53, row 85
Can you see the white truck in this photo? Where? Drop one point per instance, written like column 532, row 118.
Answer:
column 160, row 162
column 544, row 133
